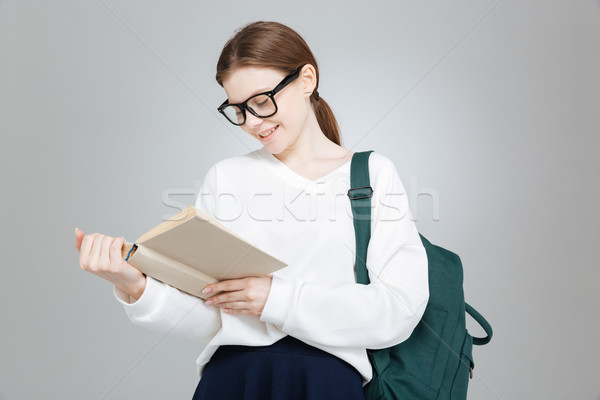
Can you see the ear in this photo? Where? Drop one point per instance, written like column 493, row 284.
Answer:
column 308, row 77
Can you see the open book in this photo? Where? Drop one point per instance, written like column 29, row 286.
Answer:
column 190, row 250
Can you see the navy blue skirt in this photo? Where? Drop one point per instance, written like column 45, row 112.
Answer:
column 288, row 369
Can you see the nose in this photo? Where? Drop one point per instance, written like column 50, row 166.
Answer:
column 252, row 121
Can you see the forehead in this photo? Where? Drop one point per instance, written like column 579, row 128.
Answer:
column 244, row 82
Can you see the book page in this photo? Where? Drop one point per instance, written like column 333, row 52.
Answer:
column 194, row 239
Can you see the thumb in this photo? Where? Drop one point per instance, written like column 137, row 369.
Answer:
column 78, row 238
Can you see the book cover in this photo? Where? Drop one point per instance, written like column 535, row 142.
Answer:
column 190, row 250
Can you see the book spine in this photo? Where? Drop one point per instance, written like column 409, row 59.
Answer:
column 130, row 250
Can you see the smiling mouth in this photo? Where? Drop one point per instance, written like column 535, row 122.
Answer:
column 268, row 133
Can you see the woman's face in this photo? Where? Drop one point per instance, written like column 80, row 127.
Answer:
column 292, row 105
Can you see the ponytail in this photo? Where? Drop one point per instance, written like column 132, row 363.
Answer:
column 326, row 119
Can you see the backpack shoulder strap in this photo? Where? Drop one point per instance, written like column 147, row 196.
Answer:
column 360, row 194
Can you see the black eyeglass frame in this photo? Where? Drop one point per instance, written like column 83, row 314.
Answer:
column 271, row 93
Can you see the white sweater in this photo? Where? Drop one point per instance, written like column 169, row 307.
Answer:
column 307, row 224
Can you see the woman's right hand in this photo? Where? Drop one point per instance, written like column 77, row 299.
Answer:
column 101, row 255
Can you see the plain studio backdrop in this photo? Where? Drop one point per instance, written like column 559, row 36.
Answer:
column 490, row 111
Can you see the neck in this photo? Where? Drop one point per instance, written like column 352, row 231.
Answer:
column 310, row 145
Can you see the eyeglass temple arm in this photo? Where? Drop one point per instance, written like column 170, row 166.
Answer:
column 286, row 81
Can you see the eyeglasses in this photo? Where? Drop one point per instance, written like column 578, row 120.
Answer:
column 261, row 105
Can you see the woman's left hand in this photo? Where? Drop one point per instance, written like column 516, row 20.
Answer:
column 240, row 296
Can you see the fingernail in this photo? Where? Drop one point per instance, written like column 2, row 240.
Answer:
column 76, row 230
column 206, row 290
column 209, row 302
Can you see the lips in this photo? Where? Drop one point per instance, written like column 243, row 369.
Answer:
column 265, row 132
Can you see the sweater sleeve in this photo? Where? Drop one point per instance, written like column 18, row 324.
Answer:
column 381, row 314
column 165, row 309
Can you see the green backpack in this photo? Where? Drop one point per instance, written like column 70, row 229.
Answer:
column 436, row 361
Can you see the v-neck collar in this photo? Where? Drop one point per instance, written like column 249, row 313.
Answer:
column 296, row 176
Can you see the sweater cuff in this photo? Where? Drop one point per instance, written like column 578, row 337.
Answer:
column 279, row 302
column 153, row 297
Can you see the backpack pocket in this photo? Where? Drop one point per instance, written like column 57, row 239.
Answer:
column 464, row 370
column 396, row 384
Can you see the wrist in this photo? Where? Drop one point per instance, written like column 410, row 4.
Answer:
column 136, row 291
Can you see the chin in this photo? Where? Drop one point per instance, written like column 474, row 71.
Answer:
column 273, row 150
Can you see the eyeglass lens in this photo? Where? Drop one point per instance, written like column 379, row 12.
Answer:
column 262, row 105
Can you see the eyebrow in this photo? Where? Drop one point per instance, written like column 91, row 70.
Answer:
column 255, row 92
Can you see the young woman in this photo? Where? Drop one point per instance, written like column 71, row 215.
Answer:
column 301, row 332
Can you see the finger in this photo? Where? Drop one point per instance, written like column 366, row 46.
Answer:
column 95, row 250
column 236, row 305
column 115, row 249
column 86, row 245
column 78, row 238
column 226, row 286
column 225, row 297
column 234, row 311
column 104, row 256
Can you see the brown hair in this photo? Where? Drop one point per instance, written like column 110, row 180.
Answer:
column 274, row 45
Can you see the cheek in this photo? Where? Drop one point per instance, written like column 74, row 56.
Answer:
column 294, row 113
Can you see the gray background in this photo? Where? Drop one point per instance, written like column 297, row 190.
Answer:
column 491, row 106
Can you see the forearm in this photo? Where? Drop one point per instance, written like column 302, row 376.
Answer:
column 164, row 309
column 377, row 315
column 352, row 315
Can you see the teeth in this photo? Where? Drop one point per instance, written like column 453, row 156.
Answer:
column 268, row 133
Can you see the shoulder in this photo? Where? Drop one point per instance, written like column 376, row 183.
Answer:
column 235, row 164
column 242, row 160
column 383, row 175
column 379, row 162
column 381, row 167
column 240, row 171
